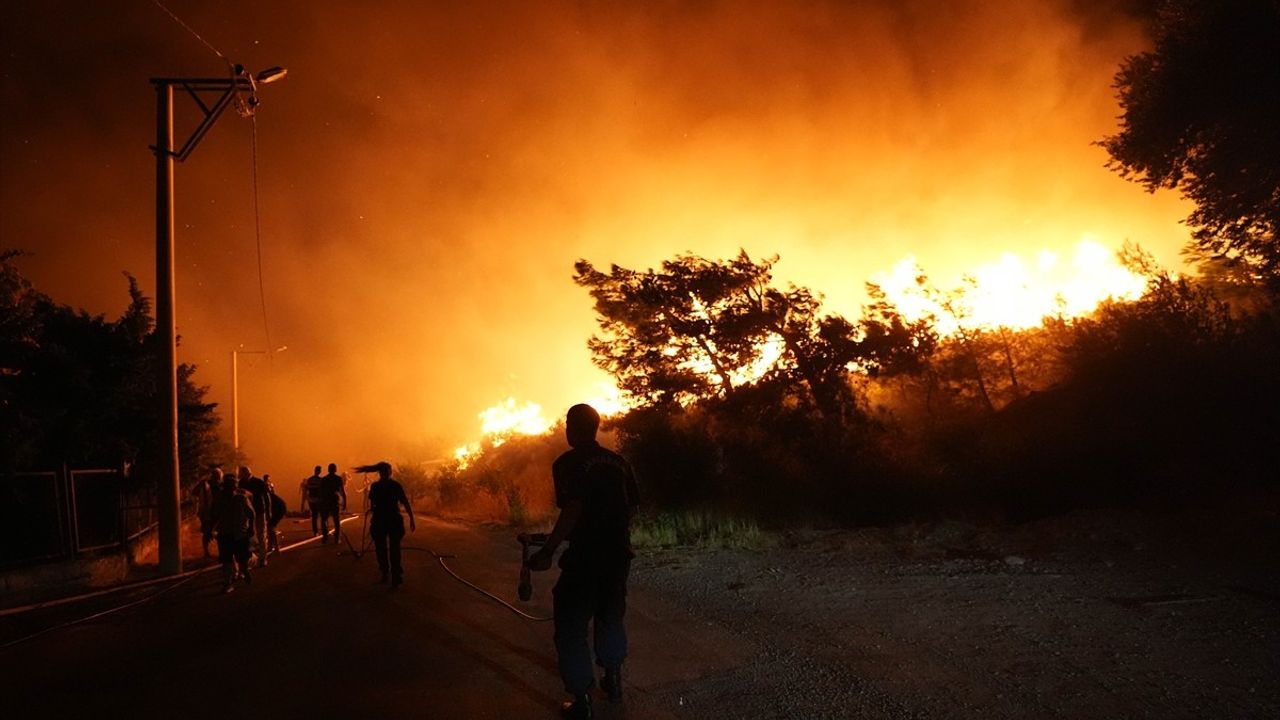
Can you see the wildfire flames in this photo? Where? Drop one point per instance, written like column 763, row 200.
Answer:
column 509, row 418
column 1014, row 292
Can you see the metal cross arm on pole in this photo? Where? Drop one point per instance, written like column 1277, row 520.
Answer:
column 240, row 81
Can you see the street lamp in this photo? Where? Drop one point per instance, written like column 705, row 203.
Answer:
column 231, row 88
column 235, row 389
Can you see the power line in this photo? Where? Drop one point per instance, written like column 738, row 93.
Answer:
column 257, row 232
column 187, row 27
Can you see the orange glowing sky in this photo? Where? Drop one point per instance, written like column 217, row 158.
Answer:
column 430, row 172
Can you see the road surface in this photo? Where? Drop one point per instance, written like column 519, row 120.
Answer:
column 315, row 636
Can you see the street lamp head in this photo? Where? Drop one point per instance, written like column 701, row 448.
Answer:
column 271, row 74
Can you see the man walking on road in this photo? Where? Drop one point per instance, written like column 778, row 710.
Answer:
column 259, row 496
column 205, row 492
column 332, row 487
column 233, row 522
column 312, row 498
column 276, row 510
column 597, row 496
column 386, row 527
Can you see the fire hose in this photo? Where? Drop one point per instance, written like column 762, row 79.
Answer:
column 524, row 590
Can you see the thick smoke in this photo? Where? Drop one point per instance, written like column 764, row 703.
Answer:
column 430, row 172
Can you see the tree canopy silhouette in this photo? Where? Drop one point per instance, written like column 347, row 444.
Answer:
column 78, row 388
column 682, row 333
column 1200, row 115
column 701, row 329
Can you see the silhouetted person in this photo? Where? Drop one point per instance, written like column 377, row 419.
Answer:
column 332, row 488
column 597, row 495
column 276, row 510
column 259, row 496
column 386, row 526
column 312, row 497
column 205, row 492
column 233, row 522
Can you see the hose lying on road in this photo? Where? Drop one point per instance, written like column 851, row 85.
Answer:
column 440, row 559
column 364, row 548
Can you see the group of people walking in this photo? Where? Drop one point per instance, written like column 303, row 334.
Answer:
column 241, row 511
column 326, row 496
column 596, row 493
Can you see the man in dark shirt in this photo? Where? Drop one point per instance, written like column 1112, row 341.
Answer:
column 597, row 496
column 332, row 487
column 312, row 497
column 259, row 497
column 386, row 527
column 232, row 520
column 277, row 510
column 205, row 492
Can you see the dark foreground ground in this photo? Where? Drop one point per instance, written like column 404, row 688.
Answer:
column 1097, row 614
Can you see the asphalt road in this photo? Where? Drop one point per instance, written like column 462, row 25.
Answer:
column 315, row 636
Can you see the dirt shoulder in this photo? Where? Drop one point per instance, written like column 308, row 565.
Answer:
column 1094, row 614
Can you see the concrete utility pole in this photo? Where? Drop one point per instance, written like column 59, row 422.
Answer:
column 240, row 81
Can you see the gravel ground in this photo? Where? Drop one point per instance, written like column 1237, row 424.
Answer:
column 1099, row 614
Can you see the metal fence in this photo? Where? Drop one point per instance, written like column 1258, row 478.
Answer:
column 63, row 513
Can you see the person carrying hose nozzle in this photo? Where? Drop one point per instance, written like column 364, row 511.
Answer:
column 386, row 527
column 597, row 495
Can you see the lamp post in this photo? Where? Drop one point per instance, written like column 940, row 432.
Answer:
column 240, row 81
column 235, row 389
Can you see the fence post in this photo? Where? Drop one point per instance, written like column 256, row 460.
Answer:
column 73, row 508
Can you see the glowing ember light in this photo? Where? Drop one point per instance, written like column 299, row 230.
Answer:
column 608, row 400
column 507, row 418
column 1016, row 294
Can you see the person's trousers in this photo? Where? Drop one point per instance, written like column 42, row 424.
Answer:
column 315, row 520
column 260, row 534
column 593, row 594
column 326, row 513
column 386, row 544
column 232, row 551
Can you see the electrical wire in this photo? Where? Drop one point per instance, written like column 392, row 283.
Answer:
column 257, row 235
column 188, row 28
column 245, row 109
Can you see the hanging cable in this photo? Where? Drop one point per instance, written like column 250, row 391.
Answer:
column 257, row 234
column 245, row 107
column 187, row 27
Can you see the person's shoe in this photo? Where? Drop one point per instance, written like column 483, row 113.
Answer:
column 611, row 683
column 228, row 587
column 325, row 540
column 248, row 579
column 579, row 708
column 397, row 581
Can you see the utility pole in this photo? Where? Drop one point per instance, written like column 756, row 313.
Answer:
column 240, row 81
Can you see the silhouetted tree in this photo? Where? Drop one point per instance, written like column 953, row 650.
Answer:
column 80, row 389
column 681, row 333
column 1200, row 114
